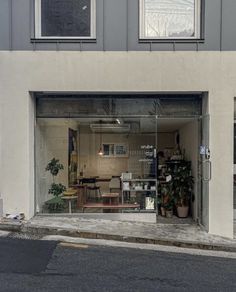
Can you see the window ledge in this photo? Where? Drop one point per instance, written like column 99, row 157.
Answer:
column 171, row 41
column 59, row 40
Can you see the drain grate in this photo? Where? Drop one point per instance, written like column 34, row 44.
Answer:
column 20, row 235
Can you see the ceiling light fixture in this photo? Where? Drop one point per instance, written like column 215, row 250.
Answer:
column 100, row 152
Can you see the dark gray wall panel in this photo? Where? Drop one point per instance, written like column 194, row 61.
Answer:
column 21, row 25
column 212, row 25
column 4, row 25
column 115, row 25
column 229, row 25
column 117, row 28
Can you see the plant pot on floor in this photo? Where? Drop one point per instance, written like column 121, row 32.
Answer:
column 182, row 211
column 169, row 213
column 163, row 212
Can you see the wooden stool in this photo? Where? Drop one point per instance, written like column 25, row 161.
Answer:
column 111, row 199
column 70, row 195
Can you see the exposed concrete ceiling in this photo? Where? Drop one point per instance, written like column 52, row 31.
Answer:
column 145, row 124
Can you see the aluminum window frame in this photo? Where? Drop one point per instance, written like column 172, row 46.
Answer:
column 38, row 32
column 198, row 19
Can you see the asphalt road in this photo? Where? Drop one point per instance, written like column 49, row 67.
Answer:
column 34, row 265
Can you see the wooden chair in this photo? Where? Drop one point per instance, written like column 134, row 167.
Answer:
column 114, row 184
column 93, row 190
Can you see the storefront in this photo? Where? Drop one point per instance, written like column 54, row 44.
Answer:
column 122, row 153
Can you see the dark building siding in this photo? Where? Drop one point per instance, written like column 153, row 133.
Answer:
column 117, row 27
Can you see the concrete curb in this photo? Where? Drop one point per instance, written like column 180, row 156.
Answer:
column 30, row 229
column 11, row 226
column 27, row 228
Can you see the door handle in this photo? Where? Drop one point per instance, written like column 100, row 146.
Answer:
column 205, row 163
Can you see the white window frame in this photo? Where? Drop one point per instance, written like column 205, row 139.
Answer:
column 115, row 154
column 197, row 24
column 38, row 32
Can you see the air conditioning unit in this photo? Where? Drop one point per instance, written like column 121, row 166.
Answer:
column 110, row 128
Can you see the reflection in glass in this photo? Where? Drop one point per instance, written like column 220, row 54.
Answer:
column 169, row 19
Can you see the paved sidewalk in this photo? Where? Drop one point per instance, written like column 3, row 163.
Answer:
column 175, row 232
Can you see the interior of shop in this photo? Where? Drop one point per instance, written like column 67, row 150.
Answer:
column 116, row 164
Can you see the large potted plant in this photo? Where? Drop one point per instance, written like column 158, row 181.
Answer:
column 183, row 188
column 56, row 189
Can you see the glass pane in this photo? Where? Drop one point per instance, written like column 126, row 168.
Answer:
column 235, row 143
column 120, row 106
column 74, row 145
column 169, row 19
column 65, row 18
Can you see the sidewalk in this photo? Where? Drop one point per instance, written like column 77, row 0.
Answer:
column 182, row 233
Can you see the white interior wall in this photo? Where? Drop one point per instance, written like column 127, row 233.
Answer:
column 52, row 141
column 189, row 135
column 94, row 165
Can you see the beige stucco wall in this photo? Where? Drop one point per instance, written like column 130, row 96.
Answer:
column 21, row 72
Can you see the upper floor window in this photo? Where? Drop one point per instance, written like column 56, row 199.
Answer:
column 170, row 19
column 65, row 19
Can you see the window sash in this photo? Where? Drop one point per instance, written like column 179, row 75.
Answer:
column 38, row 31
column 197, row 23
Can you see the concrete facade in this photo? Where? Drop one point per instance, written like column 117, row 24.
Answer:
column 24, row 72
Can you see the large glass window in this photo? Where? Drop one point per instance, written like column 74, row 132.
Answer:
column 112, row 153
column 165, row 19
column 65, row 18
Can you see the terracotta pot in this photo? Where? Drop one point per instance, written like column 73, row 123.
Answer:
column 169, row 213
column 183, row 211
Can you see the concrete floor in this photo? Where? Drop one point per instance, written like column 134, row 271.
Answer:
column 129, row 217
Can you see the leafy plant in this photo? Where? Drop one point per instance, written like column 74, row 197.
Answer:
column 167, row 199
column 54, row 167
column 55, row 204
column 183, row 185
column 56, row 189
column 169, row 204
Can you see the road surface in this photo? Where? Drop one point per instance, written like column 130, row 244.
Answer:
column 37, row 265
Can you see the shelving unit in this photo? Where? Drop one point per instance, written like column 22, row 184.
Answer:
column 140, row 186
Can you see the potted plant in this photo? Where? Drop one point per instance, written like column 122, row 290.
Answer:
column 168, row 206
column 56, row 189
column 183, row 187
column 167, row 199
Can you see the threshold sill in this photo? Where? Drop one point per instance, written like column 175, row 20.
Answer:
column 62, row 41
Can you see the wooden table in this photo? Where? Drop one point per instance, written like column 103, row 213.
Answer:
column 97, row 179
